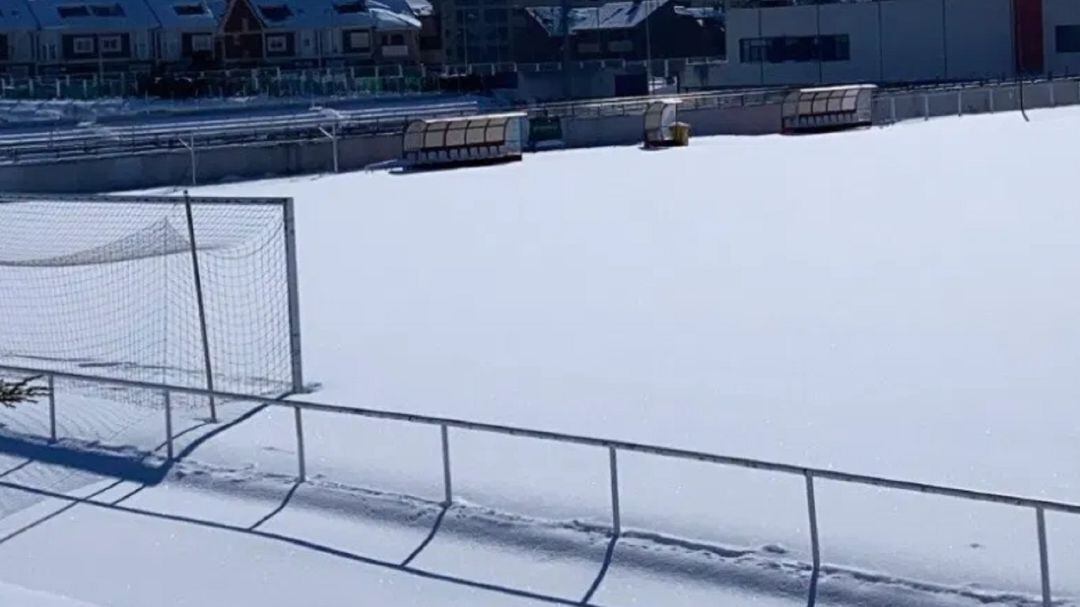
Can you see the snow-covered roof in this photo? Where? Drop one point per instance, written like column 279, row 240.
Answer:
column 16, row 15
column 612, row 15
column 93, row 15
column 705, row 13
column 421, row 8
column 318, row 14
column 188, row 15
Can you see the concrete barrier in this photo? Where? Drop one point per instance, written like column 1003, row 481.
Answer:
column 213, row 165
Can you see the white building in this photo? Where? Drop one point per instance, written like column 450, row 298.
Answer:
column 898, row 41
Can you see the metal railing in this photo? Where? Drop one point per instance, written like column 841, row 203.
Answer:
column 316, row 124
column 961, row 99
column 612, row 447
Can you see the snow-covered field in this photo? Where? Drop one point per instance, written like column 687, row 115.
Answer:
column 898, row 302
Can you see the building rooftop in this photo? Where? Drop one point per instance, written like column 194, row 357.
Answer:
column 97, row 15
column 303, row 14
column 608, row 16
column 189, row 14
column 16, row 15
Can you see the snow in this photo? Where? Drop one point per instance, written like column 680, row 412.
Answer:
column 896, row 302
column 16, row 595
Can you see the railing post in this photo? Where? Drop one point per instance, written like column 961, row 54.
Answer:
column 448, row 491
column 194, row 163
column 992, row 89
column 168, row 425
column 52, row 408
column 335, row 145
column 616, row 518
column 926, row 105
column 1044, row 559
column 815, row 545
column 300, row 445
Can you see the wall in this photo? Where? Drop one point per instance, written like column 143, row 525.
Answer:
column 22, row 47
column 741, row 23
column 790, row 21
column 861, row 23
column 890, row 41
column 912, row 40
column 1055, row 13
column 213, row 165
column 584, row 83
column 978, row 35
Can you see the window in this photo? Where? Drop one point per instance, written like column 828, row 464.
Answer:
column 72, row 11
column 834, row 48
column 189, row 10
column 202, row 43
column 588, row 48
column 276, row 12
column 1067, row 38
column 752, row 50
column 620, row 46
column 393, row 39
column 111, row 44
column 83, row 45
column 347, row 8
column 107, row 10
column 359, row 41
column 783, row 49
column 277, row 44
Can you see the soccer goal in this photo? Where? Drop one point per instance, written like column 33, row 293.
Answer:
column 171, row 290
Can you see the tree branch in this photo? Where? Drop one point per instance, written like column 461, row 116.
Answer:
column 12, row 393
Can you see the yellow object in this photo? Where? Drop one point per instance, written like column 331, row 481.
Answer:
column 680, row 134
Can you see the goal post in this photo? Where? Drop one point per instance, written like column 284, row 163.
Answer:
column 110, row 286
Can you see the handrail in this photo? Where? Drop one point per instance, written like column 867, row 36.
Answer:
column 810, row 474
column 462, row 424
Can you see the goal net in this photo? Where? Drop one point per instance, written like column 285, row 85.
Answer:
column 106, row 286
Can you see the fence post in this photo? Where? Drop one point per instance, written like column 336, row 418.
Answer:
column 1044, row 559
column 200, row 303
column 616, row 518
column 52, row 408
column 300, row 445
column 892, row 107
column 168, row 425
column 992, row 89
column 334, row 140
column 447, row 487
column 815, row 545
column 1053, row 99
column 959, row 103
column 294, row 296
column 926, row 105
column 194, row 162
